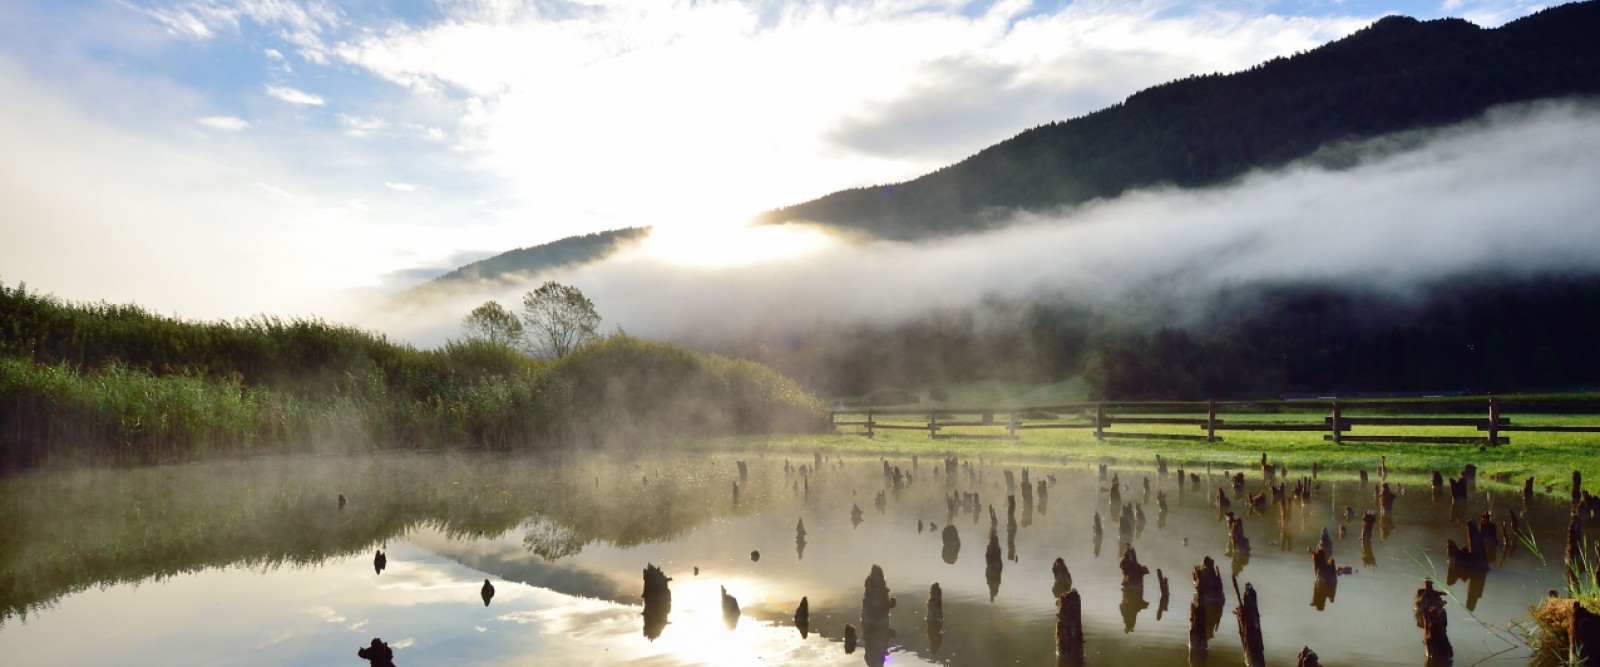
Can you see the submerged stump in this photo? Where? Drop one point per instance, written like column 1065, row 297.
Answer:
column 1069, row 628
column 1250, row 628
column 1429, row 609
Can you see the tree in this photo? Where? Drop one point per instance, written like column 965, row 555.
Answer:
column 558, row 318
column 494, row 323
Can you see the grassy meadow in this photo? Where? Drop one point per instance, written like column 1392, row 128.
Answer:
column 102, row 383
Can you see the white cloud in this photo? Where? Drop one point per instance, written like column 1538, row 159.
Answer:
column 225, row 123
column 294, row 96
column 400, row 187
column 299, row 23
column 714, row 111
column 361, row 126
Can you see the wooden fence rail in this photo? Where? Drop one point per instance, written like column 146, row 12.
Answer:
column 1103, row 415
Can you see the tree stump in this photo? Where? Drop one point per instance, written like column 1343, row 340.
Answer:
column 1063, row 578
column 1132, row 572
column 1307, row 658
column 1198, row 628
column 1367, row 520
column 1429, row 609
column 1583, row 638
column 1069, row 628
column 1222, row 500
column 1250, row 628
column 1469, row 476
column 1385, row 499
column 802, row 617
column 730, row 609
column 1527, row 490
column 1237, row 542
column 935, row 617
column 1474, row 555
column 875, row 606
column 1576, row 565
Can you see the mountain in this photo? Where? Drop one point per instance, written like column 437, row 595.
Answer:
column 517, row 265
column 1397, row 74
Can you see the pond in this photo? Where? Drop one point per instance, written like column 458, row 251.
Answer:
column 259, row 563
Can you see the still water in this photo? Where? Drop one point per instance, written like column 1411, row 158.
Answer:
column 256, row 563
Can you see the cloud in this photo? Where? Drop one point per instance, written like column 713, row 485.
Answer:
column 1510, row 193
column 400, row 187
column 225, row 123
column 705, row 113
column 294, row 96
column 299, row 23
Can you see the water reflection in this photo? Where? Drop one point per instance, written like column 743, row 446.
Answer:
column 528, row 529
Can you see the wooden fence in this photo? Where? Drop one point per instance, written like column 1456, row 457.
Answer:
column 1209, row 417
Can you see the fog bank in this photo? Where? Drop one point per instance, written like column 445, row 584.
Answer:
column 1512, row 192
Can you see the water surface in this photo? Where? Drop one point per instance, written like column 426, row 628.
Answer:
column 254, row 563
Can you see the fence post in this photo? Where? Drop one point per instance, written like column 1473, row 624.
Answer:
column 1337, row 429
column 1211, row 421
column 1494, row 421
column 1099, row 420
column 1011, row 424
column 933, row 424
column 869, row 424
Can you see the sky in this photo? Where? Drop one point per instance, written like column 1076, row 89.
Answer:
column 223, row 158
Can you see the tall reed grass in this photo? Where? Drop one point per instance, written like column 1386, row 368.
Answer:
column 118, row 384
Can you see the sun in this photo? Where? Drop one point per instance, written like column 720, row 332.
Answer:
column 730, row 246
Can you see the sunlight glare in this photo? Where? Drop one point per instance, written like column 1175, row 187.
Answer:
column 715, row 247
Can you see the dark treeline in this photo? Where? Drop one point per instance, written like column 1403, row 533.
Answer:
column 1398, row 74
column 1478, row 334
column 103, row 382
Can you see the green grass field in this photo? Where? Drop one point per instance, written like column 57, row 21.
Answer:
column 1548, row 457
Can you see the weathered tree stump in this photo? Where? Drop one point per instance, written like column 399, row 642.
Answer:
column 1114, row 497
column 849, row 639
column 1577, row 565
column 1102, row 472
column 1063, row 578
column 880, row 501
column 1162, row 583
column 730, row 609
column 1474, row 555
column 1249, row 615
column 991, row 554
column 1429, row 609
column 1069, row 628
column 1583, row 638
column 1125, row 523
column 1237, row 542
column 802, row 617
column 1367, row 520
column 1208, row 583
column 380, row 562
column 1238, row 482
column 1385, row 497
column 1323, row 565
column 875, row 606
column 1198, row 628
column 1097, row 529
column 1469, row 476
column 1527, row 489
column 1161, row 466
column 952, row 543
column 377, row 653
column 1132, row 572
column 1222, row 500
column 1363, row 475
column 935, row 617
column 487, row 592
column 1307, row 658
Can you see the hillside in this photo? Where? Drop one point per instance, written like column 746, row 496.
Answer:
column 1397, row 74
column 517, row 265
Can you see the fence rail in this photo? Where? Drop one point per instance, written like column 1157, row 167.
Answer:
column 1336, row 426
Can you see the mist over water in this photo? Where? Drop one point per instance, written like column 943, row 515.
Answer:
column 1511, row 192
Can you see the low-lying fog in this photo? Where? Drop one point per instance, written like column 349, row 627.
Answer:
column 1512, row 191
